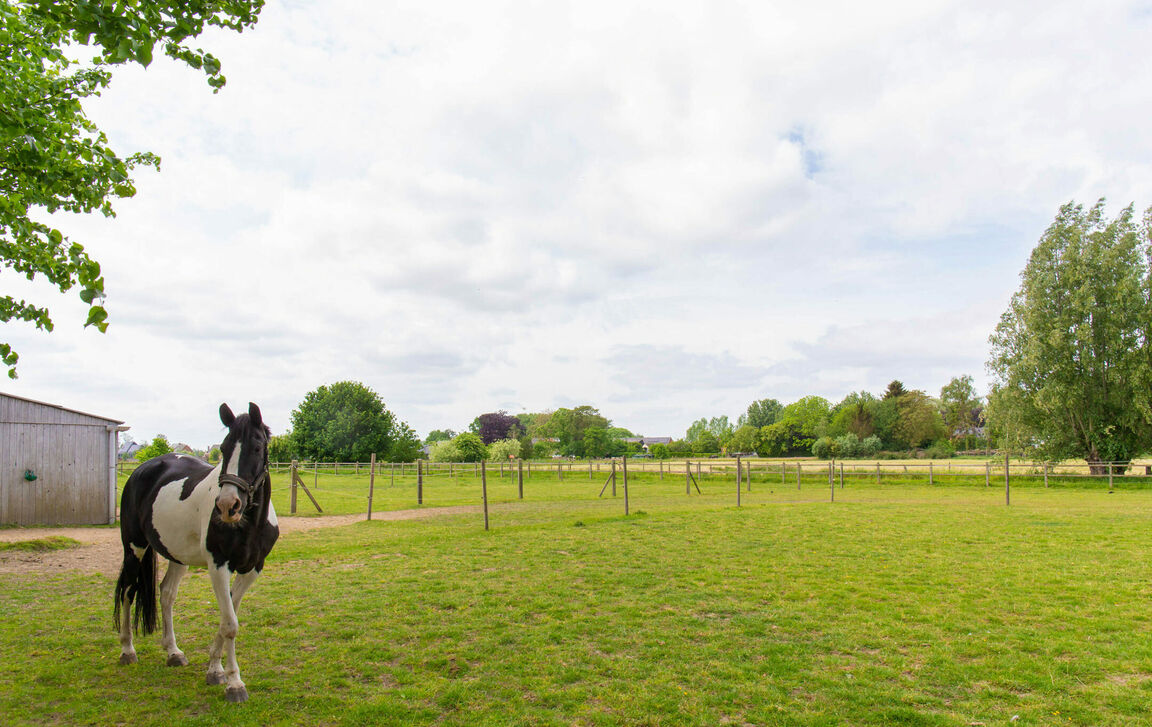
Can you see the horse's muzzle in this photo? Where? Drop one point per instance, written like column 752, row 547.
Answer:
column 230, row 507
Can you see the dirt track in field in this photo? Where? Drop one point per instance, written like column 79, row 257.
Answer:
column 100, row 549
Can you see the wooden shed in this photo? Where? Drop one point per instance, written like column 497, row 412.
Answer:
column 57, row 466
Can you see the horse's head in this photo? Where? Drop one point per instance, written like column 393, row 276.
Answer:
column 244, row 453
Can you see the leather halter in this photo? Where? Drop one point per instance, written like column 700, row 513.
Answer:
column 248, row 488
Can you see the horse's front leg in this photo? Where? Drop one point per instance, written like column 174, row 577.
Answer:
column 240, row 586
column 168, row 589
column 225, row 641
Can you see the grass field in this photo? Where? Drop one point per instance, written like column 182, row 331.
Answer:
column 897, row 604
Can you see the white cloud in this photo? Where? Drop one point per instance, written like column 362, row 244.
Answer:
column 663, row 211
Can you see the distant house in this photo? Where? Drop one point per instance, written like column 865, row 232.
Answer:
column 181, row 448
column 646, row 442
column 129, row 449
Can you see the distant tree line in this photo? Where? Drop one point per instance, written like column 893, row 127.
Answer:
column 581, row 431
column 860, row 425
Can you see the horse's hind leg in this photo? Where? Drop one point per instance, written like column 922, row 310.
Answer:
column 126, row 592
column 168, row 589
column 127, row 650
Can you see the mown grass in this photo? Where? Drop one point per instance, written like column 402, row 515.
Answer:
column 898, row 604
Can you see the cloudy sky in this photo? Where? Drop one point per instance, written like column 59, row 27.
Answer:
column 665, row 210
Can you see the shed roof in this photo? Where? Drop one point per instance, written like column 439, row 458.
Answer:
column 4, row 414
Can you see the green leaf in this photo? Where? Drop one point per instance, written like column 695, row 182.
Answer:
column 97, row 316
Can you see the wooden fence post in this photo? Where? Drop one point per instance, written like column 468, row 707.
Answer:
column 371, row 482
column 877, row 473
column 419, row 482
column 1109, row 476
column 987, row 473
column 782, row 472
column 560, row 471
column 292, row 500
column 739, row 474
column 520, row 476
column 841, row 475
column 797, row 475
column 687, row 477
column 613, row 477
column 929, row 473
column 1007, row 487
column 1045, row 474
column 484, row 490
column 624, row 461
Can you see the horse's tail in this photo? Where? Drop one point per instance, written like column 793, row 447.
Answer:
column 137, row 585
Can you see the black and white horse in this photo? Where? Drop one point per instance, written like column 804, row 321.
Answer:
column 196, row 515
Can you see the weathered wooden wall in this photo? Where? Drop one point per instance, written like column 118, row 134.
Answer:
column 73, row 456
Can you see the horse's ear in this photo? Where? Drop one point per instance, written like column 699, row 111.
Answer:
column 226, row 415
column 254, row 415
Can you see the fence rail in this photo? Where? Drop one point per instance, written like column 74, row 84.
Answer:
column 350, row 487
column 724, row 467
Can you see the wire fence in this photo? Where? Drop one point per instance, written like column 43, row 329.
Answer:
column 555, row 488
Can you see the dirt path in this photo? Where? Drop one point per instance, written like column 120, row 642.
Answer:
column 100, row 551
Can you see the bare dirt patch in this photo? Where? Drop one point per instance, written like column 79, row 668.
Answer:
column 100, row 549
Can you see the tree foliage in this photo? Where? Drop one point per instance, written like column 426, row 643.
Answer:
column 597, row 443
column 54, row 158
column 568, row 427
column 439, row 435
column 497, row 425
column 895, row 390
column 1072, row 355
column 854, row 415
column 281, row 448
column 918, row 421
column 158, row 446
column 743, row 440
column 761, row 413
column 503, row 450
column 960, row 406
column 470, row 447
column 347, row 422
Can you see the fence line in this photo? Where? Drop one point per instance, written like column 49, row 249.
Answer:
column 743, row 471
column 707, row 468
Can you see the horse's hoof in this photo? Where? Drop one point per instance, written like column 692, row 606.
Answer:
column 177, row 660
column 215, row 679
column 127, row 658
column 236, row 694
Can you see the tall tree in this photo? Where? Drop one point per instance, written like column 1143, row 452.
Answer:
column 347, row 422
column 496, row 425
column 568, row 426
column 959, row 405
column 854, row 414
column 761, row 413
column 895, row 390
column 52, row 156
column 439, row 435
column 796, row 429
column 919, row 422
column 1072, row 355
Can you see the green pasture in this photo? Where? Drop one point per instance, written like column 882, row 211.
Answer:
column 896, row 604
